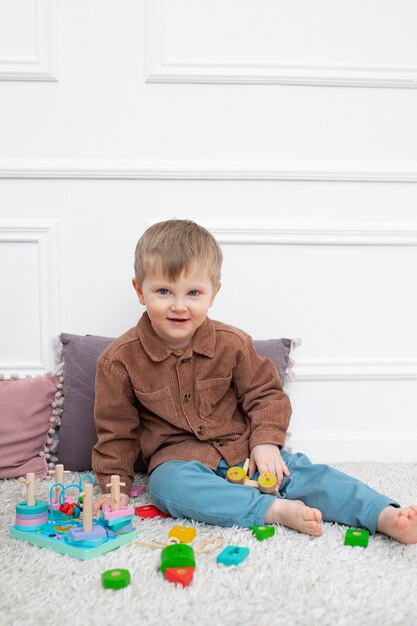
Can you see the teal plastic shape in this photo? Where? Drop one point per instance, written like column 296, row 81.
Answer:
column 263, row 532
column 50, row 537
column 357, row 537
column 177, row 555
column 232, row 555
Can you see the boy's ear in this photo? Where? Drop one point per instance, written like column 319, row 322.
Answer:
column 214, row 294
column 138, row 291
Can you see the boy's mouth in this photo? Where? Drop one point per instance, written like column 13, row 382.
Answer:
column 178, row 320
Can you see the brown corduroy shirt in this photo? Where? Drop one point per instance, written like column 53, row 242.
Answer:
column 216, row 398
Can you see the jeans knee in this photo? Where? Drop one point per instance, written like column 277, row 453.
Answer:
column 170, row 479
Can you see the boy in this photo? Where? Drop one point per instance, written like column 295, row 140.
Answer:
column 192, row 394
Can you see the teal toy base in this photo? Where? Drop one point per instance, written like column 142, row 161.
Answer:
column 51, row 537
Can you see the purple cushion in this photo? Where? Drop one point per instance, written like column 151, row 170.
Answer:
column 77, row 435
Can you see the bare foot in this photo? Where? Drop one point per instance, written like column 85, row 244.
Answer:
column 400, row 524
column 296, row 515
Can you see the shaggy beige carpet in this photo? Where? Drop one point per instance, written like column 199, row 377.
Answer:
column 289, row 579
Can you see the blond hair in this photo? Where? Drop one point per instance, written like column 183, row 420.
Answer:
column 173, row 246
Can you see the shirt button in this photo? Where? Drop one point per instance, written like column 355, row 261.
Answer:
column 220, row 443
column 200, row 430
column 187, row 396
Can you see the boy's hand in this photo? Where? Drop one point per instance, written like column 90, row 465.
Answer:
column 266, row 457
column 105, row 498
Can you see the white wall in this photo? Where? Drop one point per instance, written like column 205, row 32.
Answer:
column 288, row 129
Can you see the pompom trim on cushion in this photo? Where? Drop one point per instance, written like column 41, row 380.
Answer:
column 289, row 372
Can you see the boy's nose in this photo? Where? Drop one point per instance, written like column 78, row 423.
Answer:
column 178, row 305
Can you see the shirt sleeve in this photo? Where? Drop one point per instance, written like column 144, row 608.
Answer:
column 117, row 420
column 259, row 392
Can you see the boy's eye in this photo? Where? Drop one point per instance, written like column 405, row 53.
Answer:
column 163, row 292
column 193, row 292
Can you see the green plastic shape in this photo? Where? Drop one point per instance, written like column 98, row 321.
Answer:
column 263, row 532
column 177, row 555
column 115, row 578
column 357, row 537
column 232, row 555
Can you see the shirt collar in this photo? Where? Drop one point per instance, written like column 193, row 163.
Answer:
column 203, row 342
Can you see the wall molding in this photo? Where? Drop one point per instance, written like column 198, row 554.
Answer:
column 187, row 170
column 43, row 66
column 45, row 234
column 160, row 68
column 350, row 235
column 330, row 446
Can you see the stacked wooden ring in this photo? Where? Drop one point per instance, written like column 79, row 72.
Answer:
column 31, row 517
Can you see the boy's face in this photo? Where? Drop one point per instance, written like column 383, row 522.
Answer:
column 177, row 308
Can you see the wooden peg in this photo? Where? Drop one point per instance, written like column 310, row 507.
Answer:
column 115, row 485
column 59, row 478
column 30, row 489
column 87, row 507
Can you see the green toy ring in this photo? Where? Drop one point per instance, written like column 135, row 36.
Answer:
column 115, row 578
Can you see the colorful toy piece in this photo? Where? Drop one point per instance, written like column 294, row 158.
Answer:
column 357, row 537
column 232, row 555
column 183, row 533
column 83, row 540
column 149, row 510
column 263, row 532
column 137, row 490
column 180, row 575
column 115, row 578
column 266, row 483
column 179, row 555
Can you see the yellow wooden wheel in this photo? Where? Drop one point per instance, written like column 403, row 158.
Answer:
column 267, row 482
column 236, row 475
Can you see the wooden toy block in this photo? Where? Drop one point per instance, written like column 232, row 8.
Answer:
column 263, row 532
column 180, row 575
column 178, row 555
column 108, row 514
column 115, row 578
column 357, row 537
column 149, row 510
column 79, row 535
column 183, row 533
column 232, row 555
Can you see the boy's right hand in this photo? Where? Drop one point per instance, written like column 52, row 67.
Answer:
column 105, row 499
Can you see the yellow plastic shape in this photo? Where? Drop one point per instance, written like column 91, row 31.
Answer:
column 184, row 534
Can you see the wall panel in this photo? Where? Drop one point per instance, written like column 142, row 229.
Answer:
column 289, row 129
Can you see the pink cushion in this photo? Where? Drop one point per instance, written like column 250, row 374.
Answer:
column 25, row 419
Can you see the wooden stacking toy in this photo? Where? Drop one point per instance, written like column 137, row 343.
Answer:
column 58, row 526
column 267, row 483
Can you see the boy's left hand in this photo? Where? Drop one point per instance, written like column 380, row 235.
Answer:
column 266, row 457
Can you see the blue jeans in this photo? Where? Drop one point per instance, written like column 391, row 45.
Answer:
column 190, row 489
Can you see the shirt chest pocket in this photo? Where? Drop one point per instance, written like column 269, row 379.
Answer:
column 159, row 402
column 214, row 393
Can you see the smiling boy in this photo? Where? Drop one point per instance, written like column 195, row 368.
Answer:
column 194, row 397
